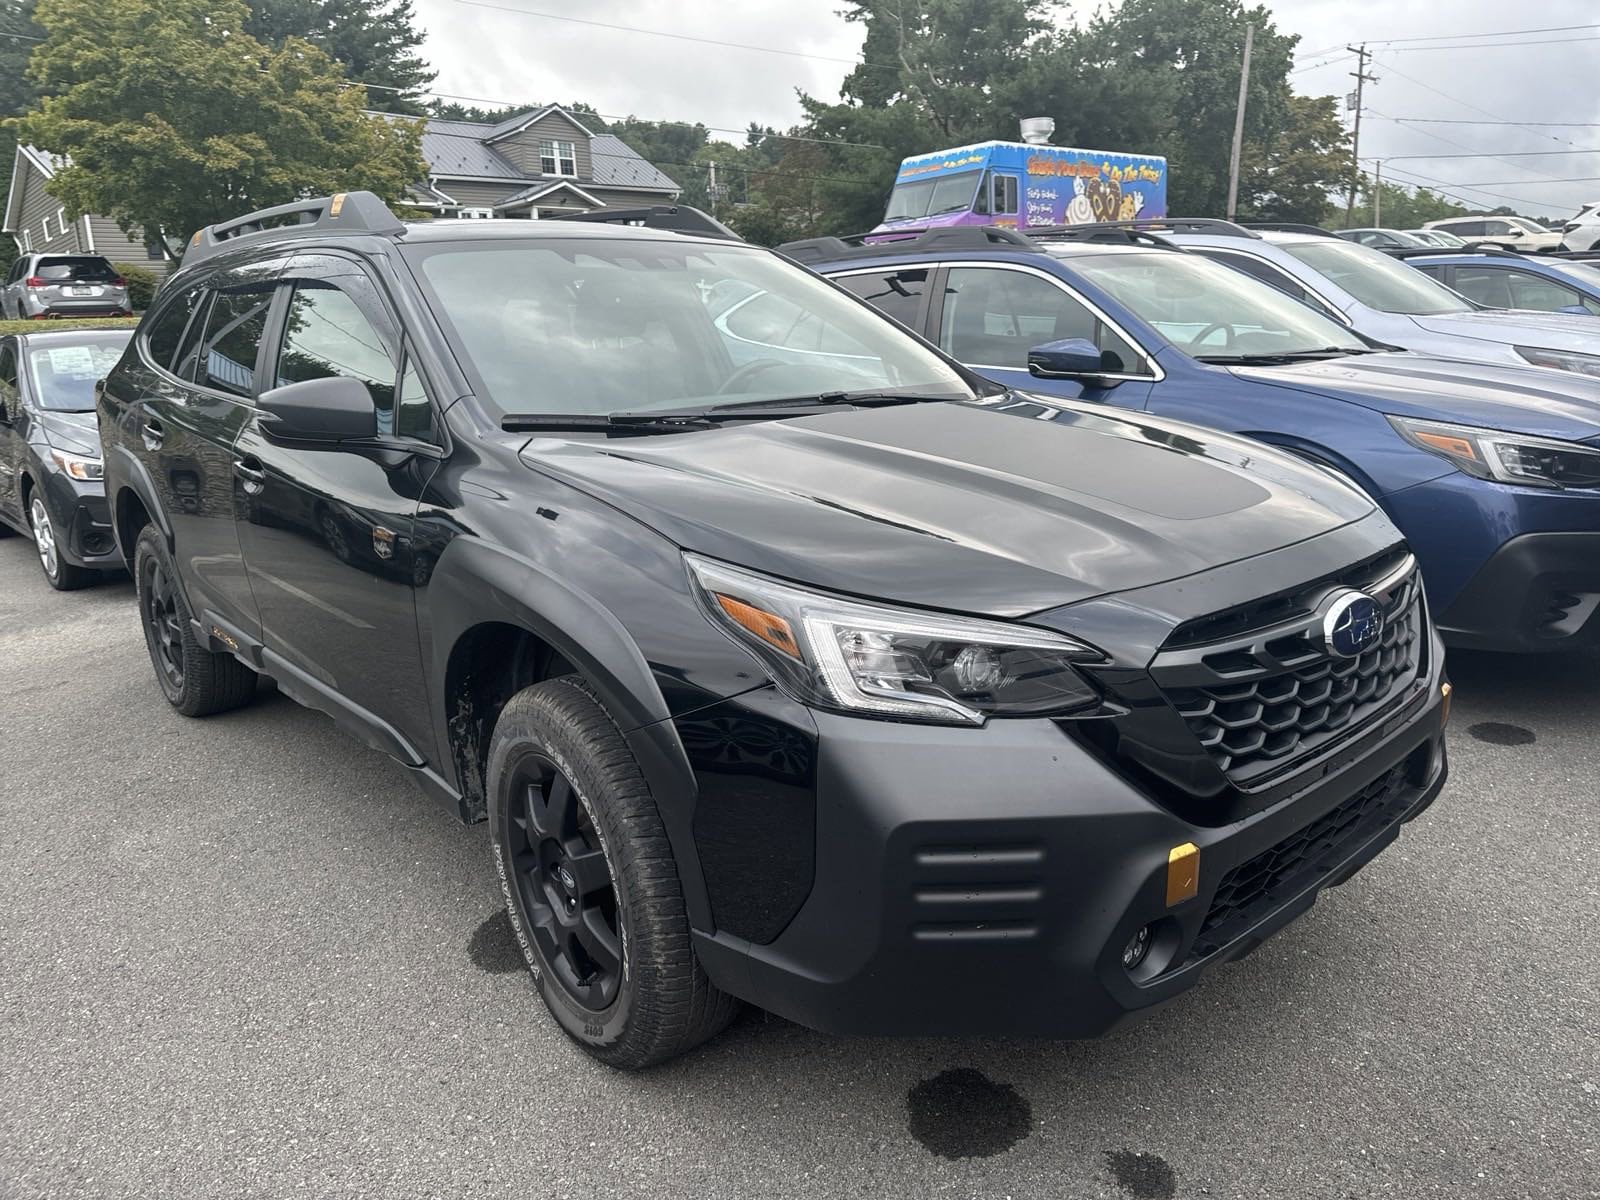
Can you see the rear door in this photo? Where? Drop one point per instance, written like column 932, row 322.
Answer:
column 191, row 410
column 328, row 531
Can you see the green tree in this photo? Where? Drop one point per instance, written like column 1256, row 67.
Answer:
column 1288, row 177
column 375, row 41
column 18, row 36
column 173, row 117
column 1400, row 207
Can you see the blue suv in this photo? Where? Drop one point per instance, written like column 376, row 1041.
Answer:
column 1495, row 278
column 1492, row 472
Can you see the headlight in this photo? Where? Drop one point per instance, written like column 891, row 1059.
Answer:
column 893, row 662
column 1562, row 360
column 79, row 466
column 1506, row 457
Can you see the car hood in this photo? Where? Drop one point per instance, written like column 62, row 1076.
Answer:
column 961, row 506
column 73, row 432
column 1519, row 327
column 1558, row 404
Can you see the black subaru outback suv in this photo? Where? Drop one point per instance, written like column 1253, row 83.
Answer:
column 789, row 660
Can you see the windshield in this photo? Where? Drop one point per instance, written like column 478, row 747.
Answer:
column 1212, row 311
column 1377, row 280
column 598, row 326
column 928, row 197
column 64, row 374
column 1526, row 225
column 76, row 270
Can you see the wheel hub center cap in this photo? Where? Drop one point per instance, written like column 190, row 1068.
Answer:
column 568, row 880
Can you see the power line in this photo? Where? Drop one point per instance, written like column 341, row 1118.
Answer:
column 1457, row 100
column 1463, row 121
column 1438, row 37
column 679, row 37
column 1477, row 45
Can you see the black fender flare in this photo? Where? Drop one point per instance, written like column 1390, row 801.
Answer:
column 475, row 582
column 130, row 475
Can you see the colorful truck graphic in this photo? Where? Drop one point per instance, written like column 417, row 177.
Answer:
column 1022, row 185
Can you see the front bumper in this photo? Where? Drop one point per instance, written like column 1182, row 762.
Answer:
column 1538, row 592
column 985, row 882
column 82, row 518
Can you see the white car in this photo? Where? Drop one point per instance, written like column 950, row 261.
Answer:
column 1515, row 233
column 1583, row 231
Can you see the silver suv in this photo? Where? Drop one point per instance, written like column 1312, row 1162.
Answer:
column 64, row 285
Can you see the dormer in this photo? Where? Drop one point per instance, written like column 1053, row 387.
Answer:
column 549, row 141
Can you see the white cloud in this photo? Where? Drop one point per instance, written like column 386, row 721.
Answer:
column 502, row 56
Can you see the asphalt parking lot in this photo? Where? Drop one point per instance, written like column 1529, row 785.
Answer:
column 247, row 957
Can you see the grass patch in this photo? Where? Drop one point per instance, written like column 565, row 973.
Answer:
column 61, row 324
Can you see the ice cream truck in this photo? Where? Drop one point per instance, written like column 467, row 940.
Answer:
column 1025, row 184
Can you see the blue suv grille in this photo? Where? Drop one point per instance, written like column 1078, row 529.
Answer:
column 1261, row 702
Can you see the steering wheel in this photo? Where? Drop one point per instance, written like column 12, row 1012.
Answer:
column 746, row 373
column 1194, row 342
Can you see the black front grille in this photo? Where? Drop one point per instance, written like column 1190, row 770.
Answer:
column 1260, row 702
column 1255, row 889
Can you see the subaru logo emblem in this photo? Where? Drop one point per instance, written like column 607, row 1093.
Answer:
column 1352, row 623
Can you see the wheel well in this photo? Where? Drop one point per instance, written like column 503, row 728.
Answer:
column 25, row 490
column 488, row 665
column 131, row 517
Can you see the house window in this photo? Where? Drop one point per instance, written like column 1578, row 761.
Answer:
column 557, row 158
column 61, row 219
column 27, row 241
column 474, row 214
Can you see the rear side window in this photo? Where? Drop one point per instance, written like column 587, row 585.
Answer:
column 166, row 331
column 234, row 327
column 75, row 270
column 897, row 293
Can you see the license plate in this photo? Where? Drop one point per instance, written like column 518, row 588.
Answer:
column 83, row 291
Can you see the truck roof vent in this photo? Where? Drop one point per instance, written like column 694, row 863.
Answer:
column 1036, row 131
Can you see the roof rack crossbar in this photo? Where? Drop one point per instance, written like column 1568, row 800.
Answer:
column 856, row 245
column 343, row 212
column 676, row 218
column 1100, row 232
column 1488, row 248
column 1290, row 227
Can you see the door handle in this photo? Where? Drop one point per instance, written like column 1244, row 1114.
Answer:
column 251, row 473
column 153, row 433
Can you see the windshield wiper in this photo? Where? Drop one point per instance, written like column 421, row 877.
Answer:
column 1286, row 356
column 600, row 423
column 684, row 420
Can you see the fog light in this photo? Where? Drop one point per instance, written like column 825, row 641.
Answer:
column 1138, row 946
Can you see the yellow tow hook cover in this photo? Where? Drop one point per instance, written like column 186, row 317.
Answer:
column 1183, row 873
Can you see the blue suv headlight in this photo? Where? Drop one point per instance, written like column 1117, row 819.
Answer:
column 1505, row 457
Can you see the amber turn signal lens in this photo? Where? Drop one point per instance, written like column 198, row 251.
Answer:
column 1445, row 694
column 1458, row 447
column 1183, row 873
column 769, row 627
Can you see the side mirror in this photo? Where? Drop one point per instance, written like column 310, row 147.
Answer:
column 1071, row 358
column 1515, row 233
column 334, row 409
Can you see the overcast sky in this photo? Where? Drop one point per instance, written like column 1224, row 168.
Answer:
column 488, row 49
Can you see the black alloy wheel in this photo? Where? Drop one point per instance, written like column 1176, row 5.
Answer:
column 163, row 625
column 564, row 883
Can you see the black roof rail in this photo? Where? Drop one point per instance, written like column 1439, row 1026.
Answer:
column 676, row 218
column 1290, row 227
column 898, row 241
column 1097, row 231
column 1489, row 248
column 1576, row 255
column 342, row 212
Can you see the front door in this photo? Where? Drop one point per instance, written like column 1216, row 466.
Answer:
column 327, row 536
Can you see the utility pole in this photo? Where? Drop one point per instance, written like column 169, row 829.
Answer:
column 1238, row 124
column 1377, row 193
column 711, row 187
column 1354, row 100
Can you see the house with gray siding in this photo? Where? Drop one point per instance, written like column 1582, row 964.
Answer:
column 36, row 221
column 538, row 163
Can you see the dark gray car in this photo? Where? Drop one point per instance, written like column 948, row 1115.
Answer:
column 64, row 285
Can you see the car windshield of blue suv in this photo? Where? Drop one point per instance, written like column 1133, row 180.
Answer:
column 1212, row 312
column 598, row 327
column 1379, row 281
column 64, row 375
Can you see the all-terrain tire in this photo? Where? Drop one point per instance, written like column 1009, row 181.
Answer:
column 195, row 681
column 664, row 1004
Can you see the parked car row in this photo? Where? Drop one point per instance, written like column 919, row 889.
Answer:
column 842, row 637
